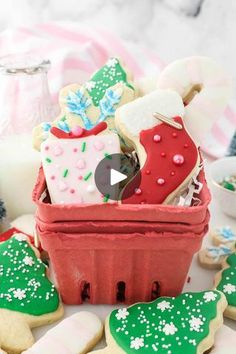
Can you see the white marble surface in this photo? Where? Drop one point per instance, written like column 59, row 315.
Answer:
column 173, row 28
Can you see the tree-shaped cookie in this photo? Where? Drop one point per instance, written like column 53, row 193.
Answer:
column 93, row 102
column 182, row 325
column 27, row 297
column 225, row 281
column 167, row 154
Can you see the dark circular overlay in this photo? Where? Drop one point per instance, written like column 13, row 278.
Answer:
column 111, row 167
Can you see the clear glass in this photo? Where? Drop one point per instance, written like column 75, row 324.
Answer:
column 24, row 94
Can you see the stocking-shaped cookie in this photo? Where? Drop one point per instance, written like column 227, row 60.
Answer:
column 27, row 298
column 168, row 156
column 70, row 162
column 182, row 325
column 225, row 281
column 91, row 103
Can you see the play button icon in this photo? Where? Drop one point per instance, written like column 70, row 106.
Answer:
column 117, row 176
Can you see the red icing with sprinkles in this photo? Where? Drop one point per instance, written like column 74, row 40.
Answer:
column 169, row 162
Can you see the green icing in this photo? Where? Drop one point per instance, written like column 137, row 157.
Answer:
column 109, row 75
column 24, row 286
column 166, row 325
column 228, row 281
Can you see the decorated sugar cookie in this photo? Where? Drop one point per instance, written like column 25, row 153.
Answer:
column 27, row 297
column 186, row 324
column 223, row 235
column 204, row 87
column 75, row 335
column 225, row 281
column 167, row 154
column 213, row 256
column 92, row 103
column 69, row 165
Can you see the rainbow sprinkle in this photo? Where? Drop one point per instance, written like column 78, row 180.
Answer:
column 106, row 198
column 83, row 148
column 88, row 176
column 65, row 173
column 108, row 156
column 48, row 160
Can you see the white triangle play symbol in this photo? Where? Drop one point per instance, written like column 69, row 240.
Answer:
column 116, row 177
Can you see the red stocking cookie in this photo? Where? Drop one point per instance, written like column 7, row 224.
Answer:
column 167, row 154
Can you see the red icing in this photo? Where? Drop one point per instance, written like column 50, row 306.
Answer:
column 165, row 176
column 60, row 134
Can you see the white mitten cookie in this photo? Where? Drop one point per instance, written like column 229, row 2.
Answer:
column 204, row 87
column 91, row 103
column 167, row 154
column 27, row 297
column 76, row 334
column 183, row 325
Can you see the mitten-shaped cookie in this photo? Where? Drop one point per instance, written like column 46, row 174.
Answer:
column 183, row 325
column 167, row 154
column 27, row 297
column 91, row 103
column 69, row 164
column 225, row 281
column 75, row 335
column 204, row 87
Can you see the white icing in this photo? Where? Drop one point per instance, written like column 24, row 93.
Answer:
column 225, row 341
column 71, row 336
column 209, row 104
column 138, row 115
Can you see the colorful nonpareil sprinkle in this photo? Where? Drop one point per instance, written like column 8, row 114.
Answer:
column 88, row 176
column 83, row 148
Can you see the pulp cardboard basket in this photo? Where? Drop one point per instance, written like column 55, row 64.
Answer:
column 119, row 253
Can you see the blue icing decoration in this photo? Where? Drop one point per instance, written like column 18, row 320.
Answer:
column 46, row 126
column 108, row 103
column 227, row 233
column 63, row 126
column 78, row 103
column 217, row 252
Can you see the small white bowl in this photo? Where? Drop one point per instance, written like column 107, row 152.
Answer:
column 220, row 169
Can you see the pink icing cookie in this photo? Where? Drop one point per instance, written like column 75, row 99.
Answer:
column 69, row 167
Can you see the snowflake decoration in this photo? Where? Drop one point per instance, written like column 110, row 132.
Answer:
column 164, row 305
column 137, row 343
column 170, row 329
column 89, row 85
column 227, row 233
column 108, row 103
column 229, row 289
column 21, row 237
column 19, row 294
column 111, row 63
column 210, row 296
column 122, row 314
column 28, row 261
column 78, row 103
column 195, row 324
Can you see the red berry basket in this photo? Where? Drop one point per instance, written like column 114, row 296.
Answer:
column 113, row 253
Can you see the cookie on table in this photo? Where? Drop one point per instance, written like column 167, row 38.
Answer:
column 183, row 325
column 76, row 334
column 28, row 299
column 167, row 154
column 212, row 257
column 223, row 235
column 91, row 103
column 225, row 281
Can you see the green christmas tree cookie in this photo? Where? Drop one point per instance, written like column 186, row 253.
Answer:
column 225, row 281
column 93, row 102
column 182, row 325
column 27, row 297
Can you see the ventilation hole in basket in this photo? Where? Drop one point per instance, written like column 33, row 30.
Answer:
column 120, row 295
column 85, row 292
column 156, row 289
